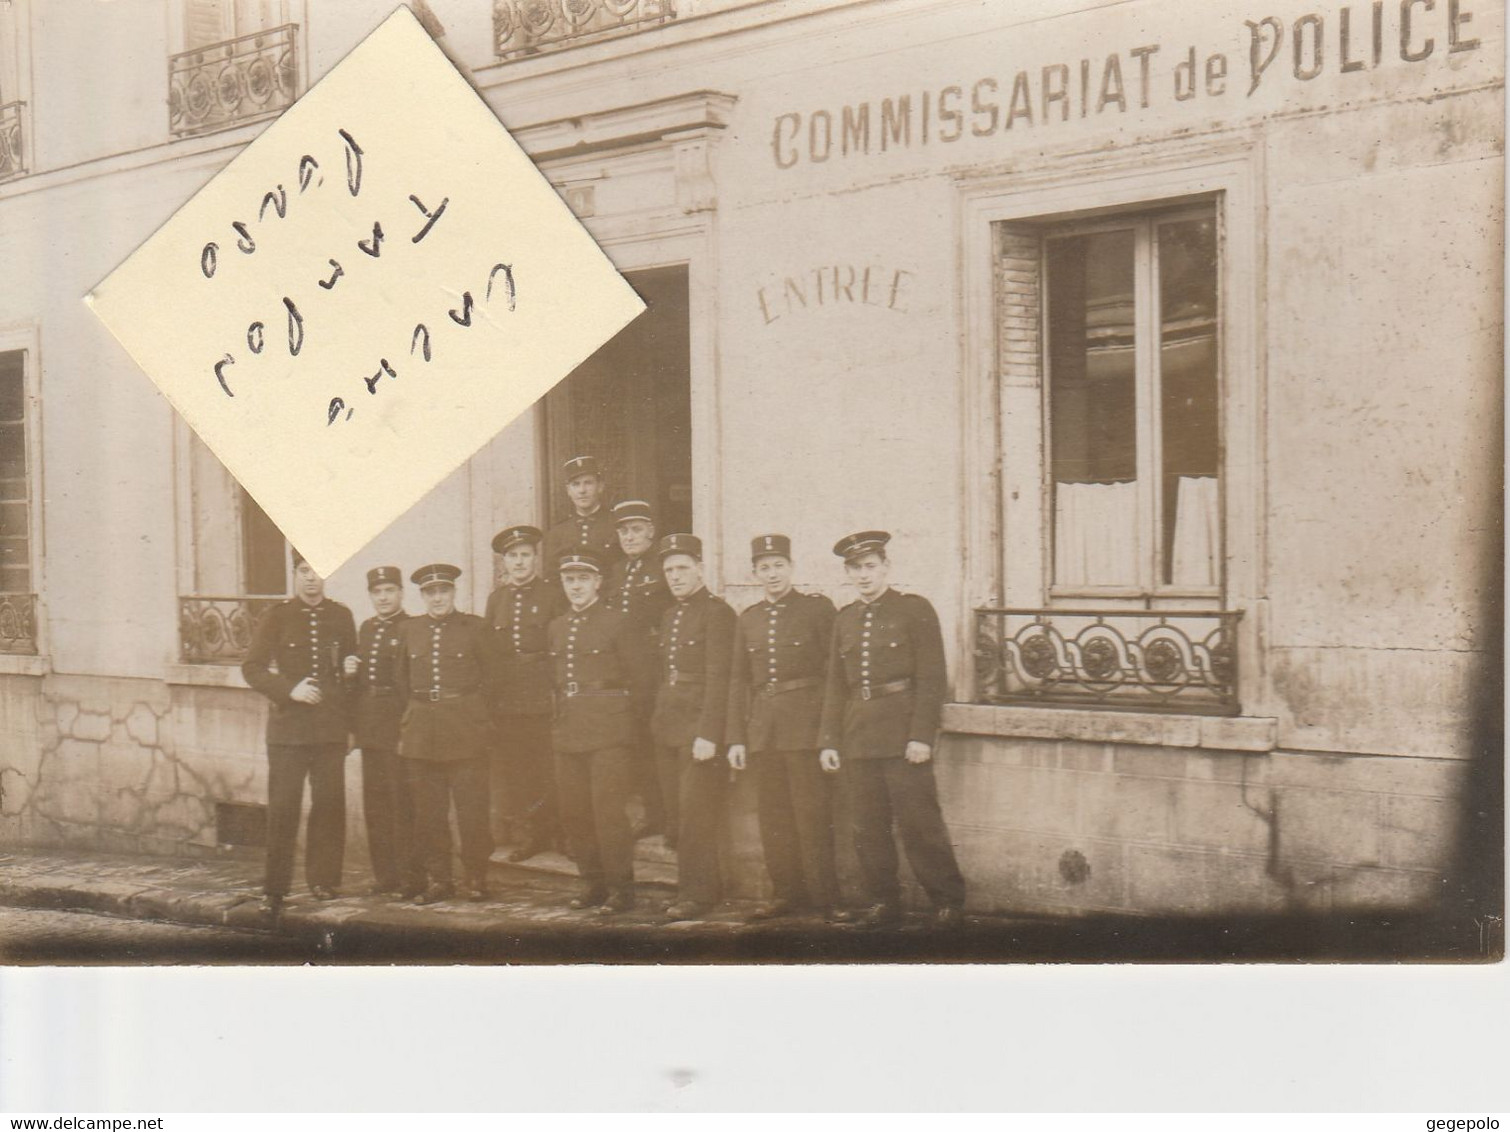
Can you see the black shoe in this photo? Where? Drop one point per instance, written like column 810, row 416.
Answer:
column 320, row 892
column 880, row 915
column 270, row 905
column 381, row 888
column 617, row 902
column 774, row 910
column 474, row 891
column 838, row 916
column 435, row 893
column 951, row 917
column 686, row 911
column 592, row 899
column 411, row 892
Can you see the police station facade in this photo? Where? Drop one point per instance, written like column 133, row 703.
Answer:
column 1166, row 341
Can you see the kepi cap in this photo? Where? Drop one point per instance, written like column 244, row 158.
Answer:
column 681, row 544
column 384, row 576
column 580, row 560
column 762, row 545
column 513, row 536
column 435, row 574
column 852, row 546
column 627, row 509
column 296, row 557
column 580, row 466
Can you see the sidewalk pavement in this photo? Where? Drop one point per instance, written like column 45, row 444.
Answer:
column 527, row 921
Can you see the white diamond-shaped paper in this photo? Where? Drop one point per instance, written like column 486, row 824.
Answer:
column 365, row 296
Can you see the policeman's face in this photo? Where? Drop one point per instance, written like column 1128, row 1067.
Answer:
column 387, row 598
column 868, row 573
column 684, row 574
column 636, row 536
column 439, row 600
column 519, row 562
column 774, row 572
column 581, row 586
column 307, row 584
column 584, row 492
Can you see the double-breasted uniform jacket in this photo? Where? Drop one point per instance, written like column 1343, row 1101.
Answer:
column 596, row 533
column 886, row 677
column 443, row 668
column 636, row 587
column 692, row 699
column 592, row 659
column 295, row 640
column 379, row 699
column 779, row 665
column 518, row 620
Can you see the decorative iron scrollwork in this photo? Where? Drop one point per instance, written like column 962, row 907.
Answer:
column 18, row 624
column 218, row 630
column 241, row 80
column 1144, row 660
column 12, row 144
column 529, row 27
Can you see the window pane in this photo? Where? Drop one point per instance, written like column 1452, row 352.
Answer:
column 1191, row 532
column 12, row 386
column 1093, row 446
column 12, row 451
column 262, row 550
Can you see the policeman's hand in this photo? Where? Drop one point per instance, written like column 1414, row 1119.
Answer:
column 737, row 756
column 828, row 759
column 918, row 752
column 306, row 691
column 703, row 750
column 352, row 664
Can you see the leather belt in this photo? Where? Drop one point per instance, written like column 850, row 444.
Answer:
column 592, row 688
column 379, row 690
column 678, row 677
column 788, row 685
column 876, row 691
column 435, row 695
column 525, row 655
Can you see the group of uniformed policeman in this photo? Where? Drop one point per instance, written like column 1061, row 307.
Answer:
column 602, row 669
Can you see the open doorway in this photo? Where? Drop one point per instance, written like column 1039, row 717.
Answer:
column 630, row 405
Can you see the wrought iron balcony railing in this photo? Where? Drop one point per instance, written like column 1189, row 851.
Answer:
column 231, row 83
column 1134, row 660
column 18, row 624
column 218, row 630
column 529, row 27
column 12, row 143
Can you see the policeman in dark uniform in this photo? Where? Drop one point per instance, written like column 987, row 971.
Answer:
column 518, row 615
column 296, row 659
column 780, row 657
column 636, row 587
column 592, row 658
column 884, row 695
column 591, row 525
column 379, row 705
column 447, row 735
column 691, row 705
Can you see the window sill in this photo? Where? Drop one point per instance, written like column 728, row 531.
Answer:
column 23, row 664
column 1217, row 733
column 206, row 675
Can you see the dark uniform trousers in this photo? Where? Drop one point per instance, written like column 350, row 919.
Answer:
column 637, row 589
column 445, row 739
column 295, row 641
column 695, row 639
column 524, row 778
column 288, row 765
column 780, row 657
column 885, row 688
column 387, row 804
column 592, row 659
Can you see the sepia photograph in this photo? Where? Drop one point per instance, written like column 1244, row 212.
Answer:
column 849, row 482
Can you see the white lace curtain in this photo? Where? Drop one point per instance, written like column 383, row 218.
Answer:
column 1096, row 533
